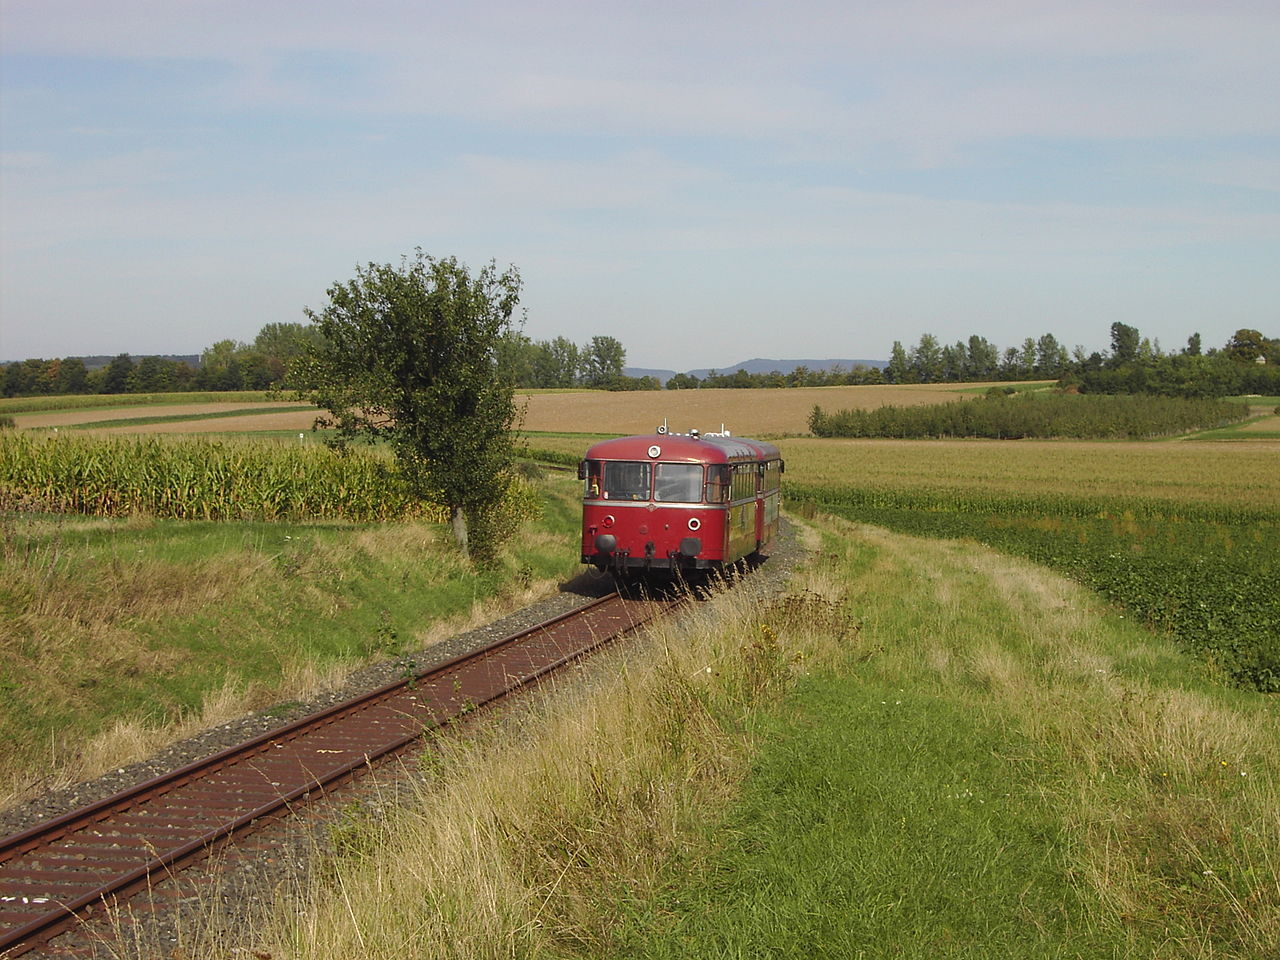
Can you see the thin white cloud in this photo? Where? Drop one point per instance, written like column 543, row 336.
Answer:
column 697, row 163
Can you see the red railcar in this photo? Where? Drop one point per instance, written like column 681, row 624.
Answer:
column 672, row 502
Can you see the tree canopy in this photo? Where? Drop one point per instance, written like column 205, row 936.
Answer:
column 410, row 353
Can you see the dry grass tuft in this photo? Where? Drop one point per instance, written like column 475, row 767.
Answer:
column 534, row 837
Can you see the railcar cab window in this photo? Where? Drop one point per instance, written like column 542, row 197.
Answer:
column 626, row 480
column 589, row 471
column 678, row 483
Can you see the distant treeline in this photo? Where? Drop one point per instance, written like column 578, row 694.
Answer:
column 1247, row 363
column 268, row 363
column 227, row 365
column 1029, row 415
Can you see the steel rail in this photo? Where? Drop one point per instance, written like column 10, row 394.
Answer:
column 243, row 789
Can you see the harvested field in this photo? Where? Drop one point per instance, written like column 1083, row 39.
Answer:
column 298, row 418
column 67, row 418
column 753, row 413
column 1241, row 474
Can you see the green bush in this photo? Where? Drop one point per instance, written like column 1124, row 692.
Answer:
column 1095, row 417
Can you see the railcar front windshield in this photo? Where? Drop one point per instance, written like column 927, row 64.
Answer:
column 678, row 483
column 626, row 480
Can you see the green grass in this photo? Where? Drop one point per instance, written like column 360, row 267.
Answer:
column 926, row 750
column 1203, row 574
column 112, row 621
column 879, row 822
column 564, row 435
column 1020, row 386
column 1237, row 432
column 998, row 768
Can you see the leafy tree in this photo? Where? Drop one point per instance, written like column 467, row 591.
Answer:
column 220, row 366
column 257, row 370
column 72, row 376
column 1193, row 345
column 556, row 363
column 517, row 356
column 284, row 341
column 281, row 344
column 153, row 375
column 1051, row 357
column 116, row 377
column 1247, row 346
column 410, row 353
column 955, row 362
column 899, row 368
column 683, row 381
column 926, row 359
column 1124, row 344
column 1027, row 358
column 602, row 361
column 984, row 359
column 1011, row 365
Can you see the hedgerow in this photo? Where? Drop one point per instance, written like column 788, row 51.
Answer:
column 1033, row 415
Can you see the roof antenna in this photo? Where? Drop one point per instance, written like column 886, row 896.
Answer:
column 662, row 430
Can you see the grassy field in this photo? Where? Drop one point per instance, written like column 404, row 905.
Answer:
column 926, row 750
column 1184, row 537
column 117, row 635
column 930, row 748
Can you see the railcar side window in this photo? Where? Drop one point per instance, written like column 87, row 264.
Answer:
column 744, row 481
column 626, row 480
column 718, row 482
column 773, row 475
column 678, row 482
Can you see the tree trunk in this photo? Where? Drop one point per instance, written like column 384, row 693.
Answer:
column 459, row 520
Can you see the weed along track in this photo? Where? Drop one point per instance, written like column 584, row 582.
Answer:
column 111, row 848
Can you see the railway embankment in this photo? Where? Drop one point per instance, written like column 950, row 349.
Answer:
column 923, row 743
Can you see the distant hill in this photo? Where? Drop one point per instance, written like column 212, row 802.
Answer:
column 93, row 363
column 758, row 365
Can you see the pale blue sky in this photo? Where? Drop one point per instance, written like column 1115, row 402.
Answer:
column 707, row 181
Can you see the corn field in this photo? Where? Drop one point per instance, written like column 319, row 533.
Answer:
column 196, row 479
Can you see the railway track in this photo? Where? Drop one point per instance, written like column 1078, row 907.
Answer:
column 104, row 852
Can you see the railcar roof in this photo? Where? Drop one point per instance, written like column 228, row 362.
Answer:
column 682, row 448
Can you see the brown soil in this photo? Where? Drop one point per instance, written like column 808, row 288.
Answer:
column 746, row 413
column 299, row 419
